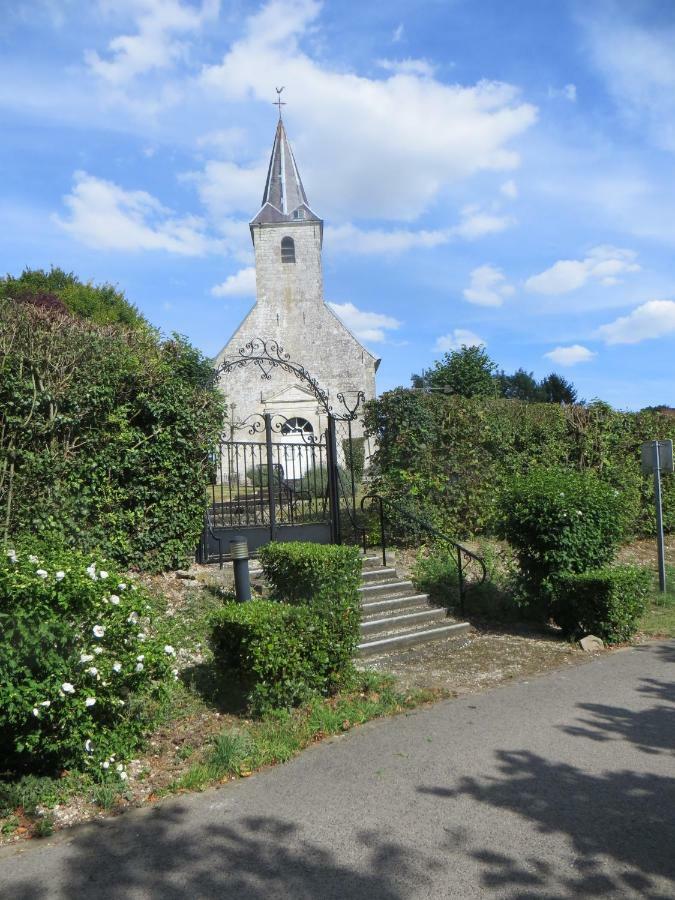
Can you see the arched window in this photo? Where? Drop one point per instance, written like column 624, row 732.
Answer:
column 297, row 426
column 287, row 250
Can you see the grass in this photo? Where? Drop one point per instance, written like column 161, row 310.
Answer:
column 659, row 620
column 239, row 751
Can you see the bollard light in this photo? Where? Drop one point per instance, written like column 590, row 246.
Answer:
column 242, row 578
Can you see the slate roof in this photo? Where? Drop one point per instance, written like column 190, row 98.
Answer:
column 284, row 199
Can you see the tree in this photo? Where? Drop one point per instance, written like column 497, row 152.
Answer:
column 519, row 386
column 468, row 372
column 101, row 304
column 556, row 389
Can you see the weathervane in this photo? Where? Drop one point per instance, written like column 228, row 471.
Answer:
column 279, row 102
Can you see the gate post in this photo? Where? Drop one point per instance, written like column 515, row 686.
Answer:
column 271, row 499
column 333, row 486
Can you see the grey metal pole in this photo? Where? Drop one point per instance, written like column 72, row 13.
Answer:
column 271, row 492
column 242, row 577
column 659, row 519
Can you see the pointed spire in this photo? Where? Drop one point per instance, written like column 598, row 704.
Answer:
column 283, row 188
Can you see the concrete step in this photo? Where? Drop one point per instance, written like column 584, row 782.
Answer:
column 410, row 639
column 380, row 574
column 373, row 560
column 389, row 623
column 387, row 589
column 394, row 603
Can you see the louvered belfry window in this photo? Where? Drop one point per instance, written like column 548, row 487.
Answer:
column 287, row 250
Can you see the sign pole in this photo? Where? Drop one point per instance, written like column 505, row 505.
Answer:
column 659, row 518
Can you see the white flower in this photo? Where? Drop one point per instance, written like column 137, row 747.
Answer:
column 90, row 701
column 36, row 711
column 141, row 635
column 85, row 657
column 114, row 599
column 41, row 573
column 103, row 575
column 92, row 670
column 32, row 558
column 60, row 575
column 88, row 746
column 105, row 764
column 168, row 649
column 117, row 666
column 132, row 618
column 67, row 688
column 141, row 657
column 98, row 631
column 98, row 650
column 120, row 767
column 139, row 667
column 121, row 587
column 12, row 555
column 46, row 703
column 123, row 776
column 91, row 571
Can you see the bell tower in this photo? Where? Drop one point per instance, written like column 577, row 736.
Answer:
column 287, row 236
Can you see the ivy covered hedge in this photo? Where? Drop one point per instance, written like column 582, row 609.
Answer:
column 105, row 432
column 451, row 456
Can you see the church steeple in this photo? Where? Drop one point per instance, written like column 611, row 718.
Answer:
column 284, row 198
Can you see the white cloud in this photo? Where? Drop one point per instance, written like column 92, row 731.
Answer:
column 570, row 356
column 488, row 287
column 397, row 36
column 103, row 215
column 349, row 238
column 367, row 326
column 408, row 67
column 604, row 264
column 509, row 189
column 241, row 284
column 380, row 148
column 224, row 139
column 653, row 319
column 225, row 187
column 476, row 223
column 154, row 45
column 457, row 339
column 638, row 65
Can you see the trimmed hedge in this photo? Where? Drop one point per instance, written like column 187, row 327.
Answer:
column 301, row 572
column 302, row 641
column 560, row 521
column 606, row 602
column 282, row 654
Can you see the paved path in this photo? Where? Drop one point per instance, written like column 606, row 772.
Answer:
column 560, row 787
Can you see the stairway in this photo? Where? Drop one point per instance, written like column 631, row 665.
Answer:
column 395, row 616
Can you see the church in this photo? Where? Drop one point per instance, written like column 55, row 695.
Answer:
column 290, row 310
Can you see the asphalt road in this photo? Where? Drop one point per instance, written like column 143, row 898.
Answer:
column 560, row 787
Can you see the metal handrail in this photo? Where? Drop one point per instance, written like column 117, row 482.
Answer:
column 459, row 548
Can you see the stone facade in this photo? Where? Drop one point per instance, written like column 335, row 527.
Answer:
column 290, row 310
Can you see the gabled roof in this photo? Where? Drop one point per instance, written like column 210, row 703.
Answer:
column 284, row 199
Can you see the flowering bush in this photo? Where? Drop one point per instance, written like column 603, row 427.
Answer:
column 80, row 662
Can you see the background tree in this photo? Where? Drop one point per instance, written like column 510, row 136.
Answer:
column 101, row 304
column 556, row 389
column 521, row 385
column 467, row 372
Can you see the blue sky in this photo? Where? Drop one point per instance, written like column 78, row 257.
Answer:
column 487, row 171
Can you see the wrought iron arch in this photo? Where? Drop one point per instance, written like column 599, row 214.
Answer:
column 269, row 355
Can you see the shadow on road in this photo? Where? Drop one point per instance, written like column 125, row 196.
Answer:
column 623, row 816
column 154, row 857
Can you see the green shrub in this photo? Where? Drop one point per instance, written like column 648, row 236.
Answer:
column 606, row 602
column 79, row 666
column 301, row 572
column 105, row 433
column 282, row 654
column 435, row 573
column 560, row 521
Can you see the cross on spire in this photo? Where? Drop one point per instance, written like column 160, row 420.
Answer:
column 279, row 102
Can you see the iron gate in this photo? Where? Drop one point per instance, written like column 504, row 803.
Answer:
column 273, row 479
